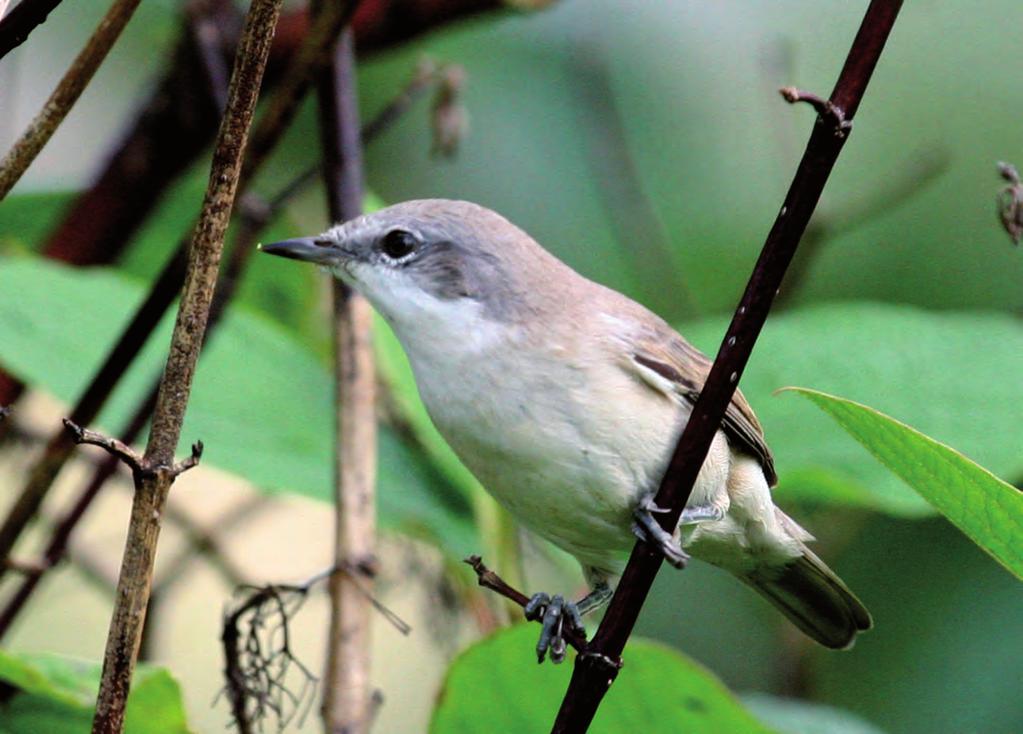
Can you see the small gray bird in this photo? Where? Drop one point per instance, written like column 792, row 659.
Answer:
column 565, row 399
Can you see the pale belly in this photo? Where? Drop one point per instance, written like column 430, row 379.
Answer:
column 569, row 463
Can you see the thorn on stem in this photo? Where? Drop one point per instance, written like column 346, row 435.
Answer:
column 186, row 464
column 825, row 109
column 121, row 450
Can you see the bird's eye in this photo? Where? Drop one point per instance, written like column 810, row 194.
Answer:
column 398, row 243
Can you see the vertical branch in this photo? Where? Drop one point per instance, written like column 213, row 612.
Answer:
column 63, row 98
column 596, row 668
column 156, row 473
column 346, row 688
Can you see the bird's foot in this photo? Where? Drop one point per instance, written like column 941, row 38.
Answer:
column 647, row 529
column 553, row 613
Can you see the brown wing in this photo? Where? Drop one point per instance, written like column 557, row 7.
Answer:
column 671, row 357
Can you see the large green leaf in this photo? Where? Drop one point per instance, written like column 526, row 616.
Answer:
column 980, row 504
column 496, row 685
column 956, row 376
column 261, row 402
column 57, row 695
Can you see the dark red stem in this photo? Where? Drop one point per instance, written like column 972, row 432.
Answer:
column 597, row 668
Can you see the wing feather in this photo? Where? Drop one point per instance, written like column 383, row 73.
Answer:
column 680, row 368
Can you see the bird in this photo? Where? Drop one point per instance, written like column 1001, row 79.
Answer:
column 565, row 399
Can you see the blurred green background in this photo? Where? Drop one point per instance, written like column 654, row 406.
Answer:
column 646, row 145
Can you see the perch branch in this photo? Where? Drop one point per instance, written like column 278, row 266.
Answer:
column 490, row 580
column 347, row 697
column 596, row 668
column 153, row 484
column 67, row 92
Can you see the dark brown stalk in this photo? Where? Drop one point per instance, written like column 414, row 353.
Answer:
column 157, row 471
column 64, row 96
column 597, row 667
column 347, row 697
column 22, row 20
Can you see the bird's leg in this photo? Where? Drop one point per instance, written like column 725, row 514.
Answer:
column 554, row 612
column 647, row 529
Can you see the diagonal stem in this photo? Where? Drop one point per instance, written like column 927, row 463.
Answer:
column 153, row 483
column 597, row 668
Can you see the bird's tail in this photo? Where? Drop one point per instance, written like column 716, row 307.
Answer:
column 810, row 594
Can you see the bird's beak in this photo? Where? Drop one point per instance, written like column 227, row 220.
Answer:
column 307, row 249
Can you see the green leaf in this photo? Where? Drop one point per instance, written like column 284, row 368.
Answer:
column 956, row 376
column 57, row 695
column 496, row 685
column 261, row 402
column 980, row 504
column 793, row 716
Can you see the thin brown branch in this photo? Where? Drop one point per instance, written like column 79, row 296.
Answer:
column 113, row 446
column 347, row 696
column 490, row 580
column 153, row 485
column 22, row 20
column 67, row 92
column 596, row 668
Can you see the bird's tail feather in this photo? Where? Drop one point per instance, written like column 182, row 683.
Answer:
column 810, row 594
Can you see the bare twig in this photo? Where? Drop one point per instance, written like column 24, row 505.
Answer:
column 117, row 449
column 1010, row 202
column 490, row 580
column 63, row 98
column 153, row 484
column 347, row 695
column 596, row 668
column 22, row 20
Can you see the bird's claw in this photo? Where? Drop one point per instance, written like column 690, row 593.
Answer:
column 553, row 613
column 650, row 531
